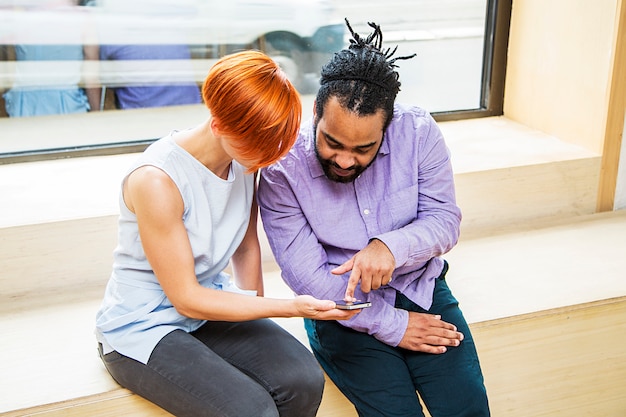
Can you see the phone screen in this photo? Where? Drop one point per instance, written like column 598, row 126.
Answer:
column 349, row 305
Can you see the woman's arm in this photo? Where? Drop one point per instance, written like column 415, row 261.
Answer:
column 246, row 261
column 158, row 205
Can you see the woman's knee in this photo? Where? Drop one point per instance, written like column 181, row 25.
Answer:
column 301, row 391
column 310, row 380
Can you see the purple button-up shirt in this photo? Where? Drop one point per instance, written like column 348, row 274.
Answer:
column 405, row 198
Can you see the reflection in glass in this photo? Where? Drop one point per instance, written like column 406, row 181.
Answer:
column 153, row 89
column 58, row 56
column 47, row 76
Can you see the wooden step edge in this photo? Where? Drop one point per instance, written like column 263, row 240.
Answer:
column 563, row 220
column 123, row 402
column 525, row 317
column 119, row 401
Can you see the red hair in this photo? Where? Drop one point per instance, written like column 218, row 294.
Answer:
column 255, row 105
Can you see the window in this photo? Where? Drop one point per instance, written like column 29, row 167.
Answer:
column 97, row 76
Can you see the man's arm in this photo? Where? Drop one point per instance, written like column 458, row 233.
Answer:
column 306, row 271
column 304, row 264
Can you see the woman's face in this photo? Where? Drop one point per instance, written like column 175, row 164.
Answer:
column 227, row 144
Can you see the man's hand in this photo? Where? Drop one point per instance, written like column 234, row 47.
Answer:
column 373, row 266
column 429, row 334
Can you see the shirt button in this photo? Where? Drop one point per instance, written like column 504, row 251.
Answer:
column 366, row 211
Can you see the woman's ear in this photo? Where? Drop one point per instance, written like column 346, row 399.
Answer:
column 215, row 127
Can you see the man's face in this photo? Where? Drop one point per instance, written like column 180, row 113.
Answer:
column 346, row 143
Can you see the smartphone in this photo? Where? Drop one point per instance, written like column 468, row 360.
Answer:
column 349, row 305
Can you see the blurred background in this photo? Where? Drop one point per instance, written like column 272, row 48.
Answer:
column 60, row 57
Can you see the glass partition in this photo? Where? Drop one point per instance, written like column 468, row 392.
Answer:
column 68, row 66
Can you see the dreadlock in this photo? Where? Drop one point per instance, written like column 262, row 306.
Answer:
column 362, row 77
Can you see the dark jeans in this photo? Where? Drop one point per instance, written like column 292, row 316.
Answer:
column 246, row 369
column 381, row 380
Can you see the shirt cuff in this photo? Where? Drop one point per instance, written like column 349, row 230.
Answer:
column 394, row 327
column 398, row 245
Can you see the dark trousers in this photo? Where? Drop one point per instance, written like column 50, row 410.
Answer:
column 246, row 369
column 381, row 380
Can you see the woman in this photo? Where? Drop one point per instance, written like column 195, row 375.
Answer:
column 172, row 327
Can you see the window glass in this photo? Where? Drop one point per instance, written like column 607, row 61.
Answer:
column 133, row 62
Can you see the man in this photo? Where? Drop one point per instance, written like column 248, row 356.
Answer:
column 363, row 207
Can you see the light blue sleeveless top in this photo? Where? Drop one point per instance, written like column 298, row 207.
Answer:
column 58, row 93
column 135, row 313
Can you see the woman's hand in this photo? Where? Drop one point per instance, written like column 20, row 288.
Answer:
column 312, row 308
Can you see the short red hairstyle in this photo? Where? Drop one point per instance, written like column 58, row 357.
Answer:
column 256, row 106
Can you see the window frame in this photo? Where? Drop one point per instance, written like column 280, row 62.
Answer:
column 497, row 24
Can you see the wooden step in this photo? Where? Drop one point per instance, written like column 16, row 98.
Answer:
column 546, row 305
column 121, row 402
column 568, row 361
column 78, row 251
column 51, row 367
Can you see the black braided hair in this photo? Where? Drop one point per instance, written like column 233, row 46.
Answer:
column 362, row 77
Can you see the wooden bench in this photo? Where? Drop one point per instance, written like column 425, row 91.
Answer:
column 539, row 277
column 546, row 306
column 50, row 363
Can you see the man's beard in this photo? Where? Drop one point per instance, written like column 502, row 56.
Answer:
column 327, row 165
